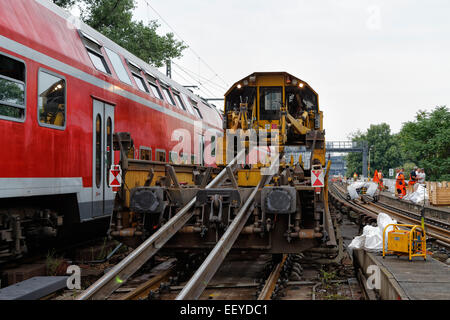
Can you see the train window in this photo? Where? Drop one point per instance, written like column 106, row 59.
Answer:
column 168, row 96
column 98, row 150
column 156, row 92
column 213, row 146
column 180, row 102
column 140, row 83
column 95, row 53
column 184, row 158
column 12, row 88
column 173, row 157
column 51, row 100
column 109, row 149
column 160, row 155
column 197, row 110
column 98, row 61
column 145, row 153
column 270, row 101
column 136, row 73
column 118, row 66
column 130, row 154
column 188, row 105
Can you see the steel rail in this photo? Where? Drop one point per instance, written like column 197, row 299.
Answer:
column 438, row 233
column 112, row 280
column 195, row 286
column 271, row 282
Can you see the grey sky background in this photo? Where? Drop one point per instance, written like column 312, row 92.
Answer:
column 369, row 61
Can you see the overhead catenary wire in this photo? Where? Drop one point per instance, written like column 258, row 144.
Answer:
column 186, row 43
column 200, row 76
column 199, row 88
column 195, row 80
column 201, row 85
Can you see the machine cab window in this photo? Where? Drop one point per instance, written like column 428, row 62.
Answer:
column 270, row 102
column 12, row 89
column 51, row 100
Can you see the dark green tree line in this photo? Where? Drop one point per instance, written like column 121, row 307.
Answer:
column 114, row 19
column 426, row 142
column 384, row 148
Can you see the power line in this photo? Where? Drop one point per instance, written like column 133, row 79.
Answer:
column 204, row 78
column 188, row 81
column 195, row 80
column 201, row 84
column 190, row 48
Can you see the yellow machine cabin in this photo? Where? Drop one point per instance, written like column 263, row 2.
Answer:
column 283, row 111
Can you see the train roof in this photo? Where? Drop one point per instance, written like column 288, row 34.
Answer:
column 265, row 73
column 66, row 40
column 86, row 29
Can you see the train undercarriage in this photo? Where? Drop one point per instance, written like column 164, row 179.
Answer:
column 287, row 214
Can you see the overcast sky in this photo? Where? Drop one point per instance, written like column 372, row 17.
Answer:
column 369, row 61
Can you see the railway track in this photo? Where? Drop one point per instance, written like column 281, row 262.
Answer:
column 239, row 279
column 437, row 229
column 112, row 280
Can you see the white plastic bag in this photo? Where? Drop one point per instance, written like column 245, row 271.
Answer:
column 372, row 237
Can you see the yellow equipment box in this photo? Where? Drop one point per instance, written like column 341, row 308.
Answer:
column 410, row 241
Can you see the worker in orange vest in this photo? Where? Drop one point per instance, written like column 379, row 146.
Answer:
column 400, row 183
column 380, row 179
column 412, row 179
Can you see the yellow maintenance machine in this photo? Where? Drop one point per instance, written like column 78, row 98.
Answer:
column 405, row 240
column 269, row 168
column 283, row 112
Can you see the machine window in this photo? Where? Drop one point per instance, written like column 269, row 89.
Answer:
column 270, row 101
column 12, row 88
column 169, row 96
column 145, row 154
column 118, row 66
column 161, row 155
column 51, row 100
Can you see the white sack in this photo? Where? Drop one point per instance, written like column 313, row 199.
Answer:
column 372, row 237
column 417, row 196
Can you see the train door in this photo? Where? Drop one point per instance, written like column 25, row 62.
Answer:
column 103, row 158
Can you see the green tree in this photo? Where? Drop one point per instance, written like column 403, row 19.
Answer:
column 64, row 3
column 114, row 19
column 426, row 142
column 384, row 150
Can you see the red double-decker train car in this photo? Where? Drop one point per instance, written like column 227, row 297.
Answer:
column 64, row 90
